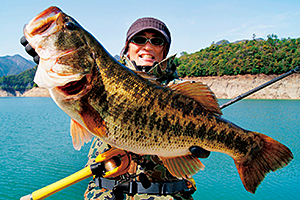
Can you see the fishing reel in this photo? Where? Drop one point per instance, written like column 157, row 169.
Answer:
column 114, row 163
column 111, row 163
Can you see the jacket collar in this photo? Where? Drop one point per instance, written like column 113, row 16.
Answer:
column 160, row 69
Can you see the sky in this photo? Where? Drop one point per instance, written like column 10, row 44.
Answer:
column 194, row 24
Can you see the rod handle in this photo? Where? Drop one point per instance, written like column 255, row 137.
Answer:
column 59, row 185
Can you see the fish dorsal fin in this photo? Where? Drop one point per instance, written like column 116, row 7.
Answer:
column 147, row 76
column 183, row 167
column 79, row 135
column 200, row 93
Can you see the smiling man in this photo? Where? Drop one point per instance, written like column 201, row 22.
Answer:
column 143, row 51
column 147, row 43
column 146, row 47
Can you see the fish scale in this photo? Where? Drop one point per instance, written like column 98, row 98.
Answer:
column 130, row 110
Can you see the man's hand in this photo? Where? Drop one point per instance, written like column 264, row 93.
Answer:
column 30, row 50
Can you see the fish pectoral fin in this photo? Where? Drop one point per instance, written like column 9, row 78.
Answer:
column 182, row 167
column 79, row 135
column 93, row 121
column 200, row 93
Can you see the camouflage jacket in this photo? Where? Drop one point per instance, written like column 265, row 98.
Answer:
column 152, row 166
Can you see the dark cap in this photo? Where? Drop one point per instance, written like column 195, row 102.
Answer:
column 147, row 23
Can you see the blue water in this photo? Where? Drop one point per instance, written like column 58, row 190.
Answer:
column 36, row 150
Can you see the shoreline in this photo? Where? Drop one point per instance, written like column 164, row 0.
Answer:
column 34, row 92
column 229, row 87
column 224, row 87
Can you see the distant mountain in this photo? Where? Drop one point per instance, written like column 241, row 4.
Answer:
column 11, row 65
column 238, row 41
column 225, row 42
column 117, row 57
column 222, row 42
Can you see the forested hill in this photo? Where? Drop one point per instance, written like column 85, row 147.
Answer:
column 19, row 82
column 257, row 56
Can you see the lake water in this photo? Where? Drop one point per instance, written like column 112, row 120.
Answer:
column 36, row 150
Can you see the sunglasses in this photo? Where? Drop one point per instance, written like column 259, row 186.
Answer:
column 156, row 41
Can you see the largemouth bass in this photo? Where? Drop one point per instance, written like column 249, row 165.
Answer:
column 131, row 111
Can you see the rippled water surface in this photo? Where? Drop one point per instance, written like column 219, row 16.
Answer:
column 36, row 150
column 278, row 119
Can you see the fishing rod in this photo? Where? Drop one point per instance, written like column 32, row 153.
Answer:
column 240, row 97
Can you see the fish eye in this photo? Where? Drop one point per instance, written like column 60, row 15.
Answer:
column 70, row 26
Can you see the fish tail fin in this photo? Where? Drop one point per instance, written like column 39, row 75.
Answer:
column 182, row 166
column 272, row 156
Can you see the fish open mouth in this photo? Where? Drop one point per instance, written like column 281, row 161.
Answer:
column 42, row 28
column 43, row 21
column 74, row 87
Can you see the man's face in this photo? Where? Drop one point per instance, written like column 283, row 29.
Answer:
column 146, row 54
